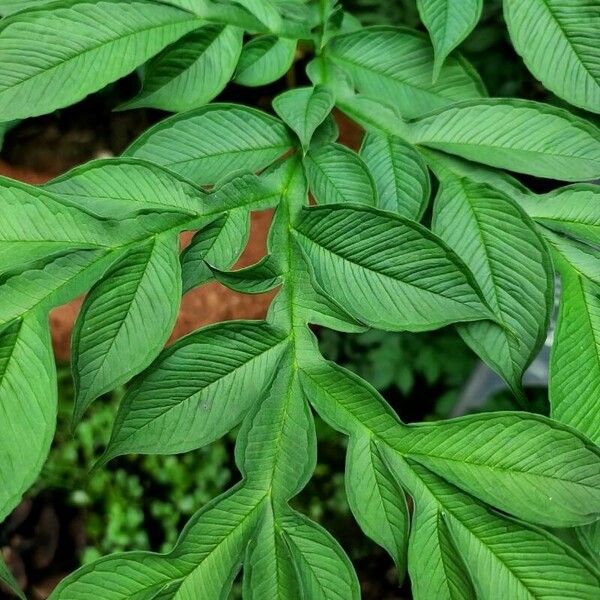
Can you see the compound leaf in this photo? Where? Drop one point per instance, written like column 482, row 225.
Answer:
column 192, row 71
column 196, row 390
column 304, row 109
column 390, row 272
column 558, row 41
column 337, row 175
column 448, row 23
column 509, row 260
column 126, row 319
column 396, row 65
column 214, row 141
column 55, row 55
column 400, row 174
column 519, row 135
column 265, row 59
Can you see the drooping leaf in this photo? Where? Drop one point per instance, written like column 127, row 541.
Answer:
column 56, row 55
column 501, row 246
column 304, row 109
column 28, row 406
column 575, row 359
column 265, row 59
column 197, row 390
column 219, row 244
column 192, row 71
column 125, row 320
column 448, row 23
column 255, row 279
column 337, row 175
column 211, row 142
column 421, row 283
column 396, row 65
column 558, row 41
column 123, row 187
column 400, row 175
column 519, row 135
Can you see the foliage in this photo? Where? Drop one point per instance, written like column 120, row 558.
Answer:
column 469, row 507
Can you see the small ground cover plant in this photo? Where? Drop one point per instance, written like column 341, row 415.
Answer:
column 497, row 505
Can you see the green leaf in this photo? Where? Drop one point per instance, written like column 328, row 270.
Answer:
column 125, row 320
column 203, row 564
column 558, row 41
column 573, row 210
column 56, row 55
column 197, row 390
column 519, row 135
column 400, row 175
column 28, row 409
column 376, row 500
column 9, row 7
column 264, row 10
column 219, row 244
column 419, row 283
column 304, row 109
column 337, row 175
column 211, row 142
column 265, row 59
column 589, row 537
column 575, row 359
column 509, row 260
column 255, row 279
column 322, row 566
column 117, row 188
column 7, row 578
column 580, row 257
column 192, row 71
column 396, row 65
column 448, row 23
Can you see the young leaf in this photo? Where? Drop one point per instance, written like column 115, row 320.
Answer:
column 337, row 175
column 209, row 143
column 264, row 59
column 519, row 135
column 192, row 71
column 376, row 500
column 304, row 109
column 448, row 23
column 558, row 41
column 196, row 390
column 390, row 272
column 575, row 360
column 117, row 188
column 125, row 320
column 219, row 244
column 509, row 260
column 29, row 397
column 396, row 65
column 69, row 56
column 400, row 175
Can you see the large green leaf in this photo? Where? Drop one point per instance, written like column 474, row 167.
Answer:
column 56, row 55
column 264, row 10
column 519, row 135
column 573, row 210
column 197, row 390
column 509, row 260
column 12, row 6
column 126, row 319
column 400, row 174
column 214, row 141
column 575, row 360
column 265, row 59
column 558, row 41
column 192, row 71
column 449, row 23
column 304, row 109
column 337, row 175
column 121, row 187
column 419, row 283
column 396, row 65
column 27, row 408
